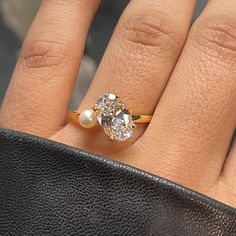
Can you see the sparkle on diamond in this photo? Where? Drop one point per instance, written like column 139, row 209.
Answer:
column 109, row 104
column 114, row 118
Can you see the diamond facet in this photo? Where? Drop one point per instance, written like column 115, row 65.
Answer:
column 114, row 117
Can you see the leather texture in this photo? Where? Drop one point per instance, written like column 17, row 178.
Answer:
column 47, row 188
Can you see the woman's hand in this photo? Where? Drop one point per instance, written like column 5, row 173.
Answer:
column 186, row 78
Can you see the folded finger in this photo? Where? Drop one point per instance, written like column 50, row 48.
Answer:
column 139, row 59
column 39, row 93
column 196, row 117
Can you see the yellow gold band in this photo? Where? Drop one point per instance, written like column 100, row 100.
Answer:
column 141, row 119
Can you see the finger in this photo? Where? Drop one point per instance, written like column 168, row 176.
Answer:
column 196, row 116
column 140, row 57
column 43, row 80
column 228, row 176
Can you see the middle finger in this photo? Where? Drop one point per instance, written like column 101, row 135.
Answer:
column 195, row 119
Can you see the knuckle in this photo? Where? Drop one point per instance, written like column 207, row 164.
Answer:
column 216, row 35
column 44, row 56
column 151, row 31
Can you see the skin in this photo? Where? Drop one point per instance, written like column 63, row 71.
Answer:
column 158, row 65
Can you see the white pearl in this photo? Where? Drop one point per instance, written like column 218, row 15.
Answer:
column 88, row 118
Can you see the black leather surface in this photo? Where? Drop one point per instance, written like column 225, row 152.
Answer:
column 50, row 189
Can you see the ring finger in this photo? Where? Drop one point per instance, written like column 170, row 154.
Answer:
column 138, row 62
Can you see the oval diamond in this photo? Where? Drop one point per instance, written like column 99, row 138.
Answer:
column 114, row 117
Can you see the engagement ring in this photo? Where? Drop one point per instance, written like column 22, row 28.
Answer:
column 112, row 115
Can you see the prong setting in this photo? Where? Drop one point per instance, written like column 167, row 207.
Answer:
column 114, row 117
